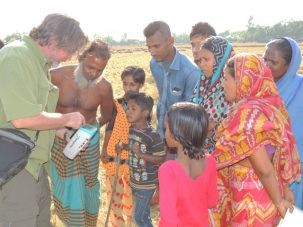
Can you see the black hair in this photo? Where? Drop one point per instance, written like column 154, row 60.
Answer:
column 155, row 26
column 202, row 28
column 188, row 124
column 97, row 47
column 146, row 102
column 136, row 72
column 284, row 47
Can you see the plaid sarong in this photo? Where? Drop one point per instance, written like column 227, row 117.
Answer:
column 75, row 184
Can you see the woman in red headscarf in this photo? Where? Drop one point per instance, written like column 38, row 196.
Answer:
column 255, row 148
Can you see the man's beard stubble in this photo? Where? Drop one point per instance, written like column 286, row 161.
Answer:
column 80, row 79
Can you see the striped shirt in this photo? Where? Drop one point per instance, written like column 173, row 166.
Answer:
column 144, row 174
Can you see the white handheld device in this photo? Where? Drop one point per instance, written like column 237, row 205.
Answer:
column 79, row 140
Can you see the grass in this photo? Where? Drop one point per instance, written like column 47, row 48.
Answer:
column 138, row 55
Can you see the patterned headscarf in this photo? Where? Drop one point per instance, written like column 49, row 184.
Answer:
column 258, row 118
column 209, row 92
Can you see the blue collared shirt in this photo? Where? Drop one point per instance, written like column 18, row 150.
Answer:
column 175, row 85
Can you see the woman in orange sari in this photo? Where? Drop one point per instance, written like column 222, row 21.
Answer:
column 255, row 147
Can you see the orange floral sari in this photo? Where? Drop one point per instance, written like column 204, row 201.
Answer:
column 258, row 119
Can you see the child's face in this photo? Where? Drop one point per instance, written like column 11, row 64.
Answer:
column 134, row 113
column 130, row 85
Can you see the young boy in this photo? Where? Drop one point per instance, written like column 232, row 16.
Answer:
column 133, row 78
column 146, row 153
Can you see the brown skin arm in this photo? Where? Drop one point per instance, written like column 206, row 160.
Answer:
column 120, row 147
column 106, row 104
column 288, row 194
column 104, row 156
column 266, row 173
column 135, row 148
column 147, row 157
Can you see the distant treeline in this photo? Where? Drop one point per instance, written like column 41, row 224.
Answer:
column 253, row 33
column 262, row 34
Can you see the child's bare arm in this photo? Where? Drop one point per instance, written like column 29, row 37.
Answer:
column 147, row 157
column 104, row 155
column 121, row 146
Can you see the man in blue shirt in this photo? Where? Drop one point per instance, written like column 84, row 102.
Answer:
column 174, row 73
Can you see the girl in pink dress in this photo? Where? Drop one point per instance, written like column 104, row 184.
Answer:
column 188, row 185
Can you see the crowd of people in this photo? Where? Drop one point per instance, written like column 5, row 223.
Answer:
column 227, row 148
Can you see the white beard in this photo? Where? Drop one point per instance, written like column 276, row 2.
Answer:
column 81, row 81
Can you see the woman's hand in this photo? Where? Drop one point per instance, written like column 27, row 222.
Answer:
column 289, row 195
column 283, row 206
column 265, row 171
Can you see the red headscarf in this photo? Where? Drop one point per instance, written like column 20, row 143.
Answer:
column 258, row 118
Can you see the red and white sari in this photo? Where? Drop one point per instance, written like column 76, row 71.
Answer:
column 258, row 119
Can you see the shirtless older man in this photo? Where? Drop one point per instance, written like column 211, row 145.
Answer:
column 75, row 182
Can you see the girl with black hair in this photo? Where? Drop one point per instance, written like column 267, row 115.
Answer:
column 188, row 185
